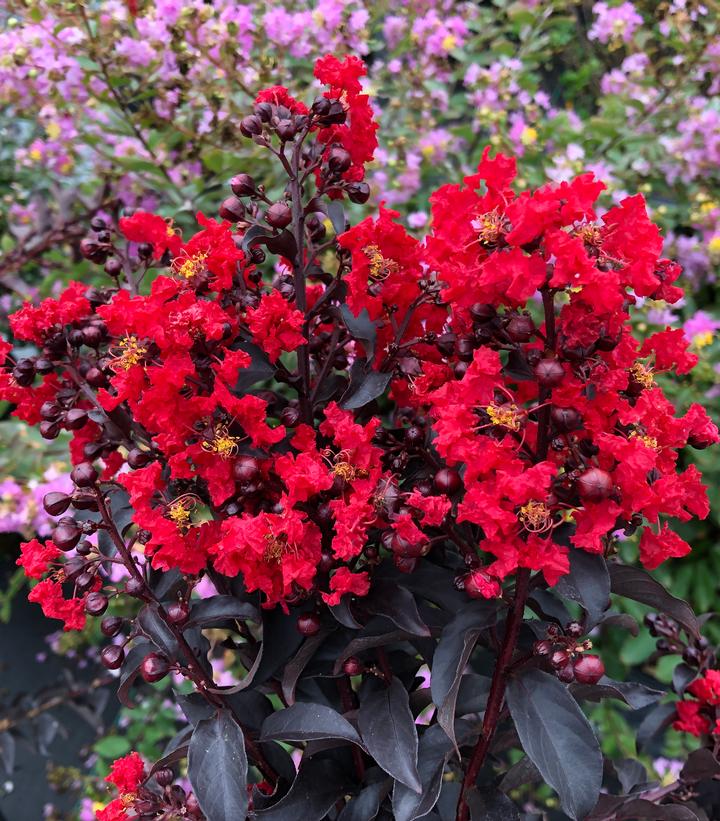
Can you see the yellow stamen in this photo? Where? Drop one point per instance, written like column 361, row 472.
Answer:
column 190, row 267
column 276, row 547
column 642, row 374
column 222, row 443
column 535, row 516
column 506, row 416
column 380, row 267
column 649, row 441
column 179, row 514
column 490, row 227
column 131, row 353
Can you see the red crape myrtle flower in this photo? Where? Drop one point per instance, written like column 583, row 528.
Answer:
column 700, row 715
column 364, row 432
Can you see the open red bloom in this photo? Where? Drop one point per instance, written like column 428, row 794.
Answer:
column 153, row 229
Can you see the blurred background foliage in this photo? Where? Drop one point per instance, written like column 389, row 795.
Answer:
column 110, row 106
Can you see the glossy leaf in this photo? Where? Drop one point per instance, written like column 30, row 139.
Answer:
column 389, row 733
column 554, row 731
column 307, row 722
column 218, row 767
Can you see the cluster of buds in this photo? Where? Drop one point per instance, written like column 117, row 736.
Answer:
column 567, row 654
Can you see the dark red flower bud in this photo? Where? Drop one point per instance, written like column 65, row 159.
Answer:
column 549, row 373
column 24, row 378
column 134, row 587
column 358, row 192
column 137, row 458
column 113, row 267
column 464, row 348
column 76, row 418
column 84, row 475
column 405, row 564
column 49, row 430
column 66, row 535
column 279, row 215
column 93, row 250
column 290, row 417
column 264, row 111
column 56, row 503
column 566, row 673
column 565, row 419
column 75, row 338
column 111, row 625
column 701, row 440
column 559, row 658
column 588, row 669
column 250, row 126
column 50, row 411
column 321, row 106
column 112, row 656
column 177, row 612
column 96, row 604
column 339, row 159
column 353, row 666
column 145, row 250
column 286, row 129
column 246, row 469
column 96, row 378
column 520, row 328
column 308, row 624
column 154, row 667
column 164, row 777
column 448, row 481
column 595, row 485
column 482, row 312
column 242, row 185
column 232, row 209
column 542, row 648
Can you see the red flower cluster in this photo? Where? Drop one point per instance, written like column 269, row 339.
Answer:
column 225, row 404
column 126, row 775
column 700, row 716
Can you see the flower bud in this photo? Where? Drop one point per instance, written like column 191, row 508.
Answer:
column 339, row 159
column 177, row 612
column 250, row 126
column 66, row 535
column 549, row 373
column 358, row 192
column 565, row 419
column 242, row 185
column 113, row 267
column 49, row 430
column 448, row 481
column 164, row 777
column 111, row 625
column 76, row 418
column 232, row 209
column 246, row 469
column 542, row 647
column 520, row 328
column 112, row 656
column 56, row 503
column 353, row 666
column 588, row 669
column 84, row 475
column 286, row 130
column 566, row 673
column 96, row 604
column 137, row 458
column 278, row 215
column 321, row 106
column 480, row 585
column 154, row 667
column 96, row 378
column 595, row 485
column 308, row 624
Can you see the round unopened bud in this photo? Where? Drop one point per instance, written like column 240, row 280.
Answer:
column 565, row 419
column 232, row 209
column 145, row 250
column 84, row 475
column 154, row 667
column 549, row 373
column 164, row 777
column 574, row 629
column 278, row 215
column 112, row 656
column 286, row 129
column 595, row 485
column 137, row 458
column 566, row 673
column 246, row 469
column 483, row 312
column 76, row 418
column 321, row 106
column 353, row 666
column 111, row 625
column 49, row 430
column 242, row 185
column 588, row 669
column 559, row 658
column 96, row 378
column 520, row 328
column 134, row 587
column 56, row 503
column 113, row 267
column 96, row 604
column 250, row 126
column 542, row 647
column 50, row 411
column 290, row 417
column 66, row 535
column 308, row 624
column 177, row 612
column 448, row 481
column 358, row 192
column 339, row 159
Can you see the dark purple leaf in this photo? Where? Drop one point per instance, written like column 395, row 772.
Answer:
column 293, row 669
column 218, row 767
column 397, row 604
column 316, row 789
column 587, row 583
column 491, row 805
column 7, row 752
column 456, row 644
column 157, row 630
column 554, row 731
column 131, row 669
column 304, row 721
column 388, row 731
column 657, row 719
column 638, row 585
column 633, row 694
column 221, row 608
column 372, row 386
column 362, row 328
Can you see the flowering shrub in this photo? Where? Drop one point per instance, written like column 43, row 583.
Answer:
column 391, row 460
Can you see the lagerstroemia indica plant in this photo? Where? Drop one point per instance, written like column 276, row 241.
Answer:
column 394, row 461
